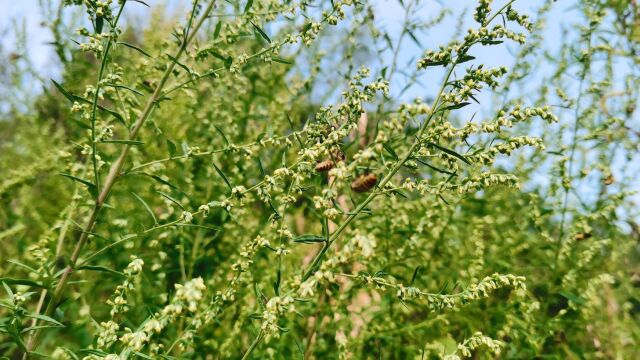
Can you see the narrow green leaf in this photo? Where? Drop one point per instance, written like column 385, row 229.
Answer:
column 444, row 287
column 16, row 262
column 255, row 316
column 435, row 63
column 45, row 318
column 415, row 274
column 387, row 38
column 450, row 152
column 185, row 67
column 134, row 48
column 433, row 167
column 204, row 52
column 125, row 142
column 199, row 226
column 143, row 3
column 224, row 177
column 144, row 203
column 309, row 239
column 261, row 32
column 383, row 72
column 126, row 88
column 32, row 328
column 96, row 235
column 114, row 114
column 168, row 197
column 160, row 180
column 571, row 297
column 21, row 344
column 453, row 107
column 399, row 193
column 275, row 211
column 90, row 186
column 114, row 244
column 8, row 290
column 144, row 356
column 62, row 90
column 99, row 24
column 281, row 60
column 69, row 352
column 247, row 7
column 294, row 131
column 491, row 42
column 101, row 268
column 222, row 133
column 464, row 58
column 96, row 352
column 390, row 151
column 276, row 284
column 81, row 124
column 172, row 148
column 12, row 281
column 413, row 37
column 258, row 295
column 216, row 32
column 262, row 173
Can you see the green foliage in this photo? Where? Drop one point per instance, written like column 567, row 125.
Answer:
column 248, row 182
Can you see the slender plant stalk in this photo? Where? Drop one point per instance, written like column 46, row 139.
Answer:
column 110, row 180
column 94, row 108
column 59, row 247
column 415, row 145
column 94, row 161
column 253, row 345
column 574, row 145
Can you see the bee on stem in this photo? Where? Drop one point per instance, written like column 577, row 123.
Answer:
column 609, row 180
column 325, row 165
column 364, row 183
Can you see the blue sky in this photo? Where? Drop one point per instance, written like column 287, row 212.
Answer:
column 389, row 16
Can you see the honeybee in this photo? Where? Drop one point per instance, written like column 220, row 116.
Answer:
column 581, row 236
column 328, row 164
column 609, row 180
column 325, row 165
column 338, row 155
column 364, row 183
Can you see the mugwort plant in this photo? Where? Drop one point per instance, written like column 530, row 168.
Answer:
column 292, row 179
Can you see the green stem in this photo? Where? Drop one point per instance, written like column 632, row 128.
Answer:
column 253, row 345
column 94, row 109
column 416, row 143
column 574, row 144
column 110, row 180
column 414, row 146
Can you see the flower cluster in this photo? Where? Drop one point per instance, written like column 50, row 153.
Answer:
column 118, row 302
column 482, row 11
column 436, row 302
column 274, row 309
column 466, row 348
